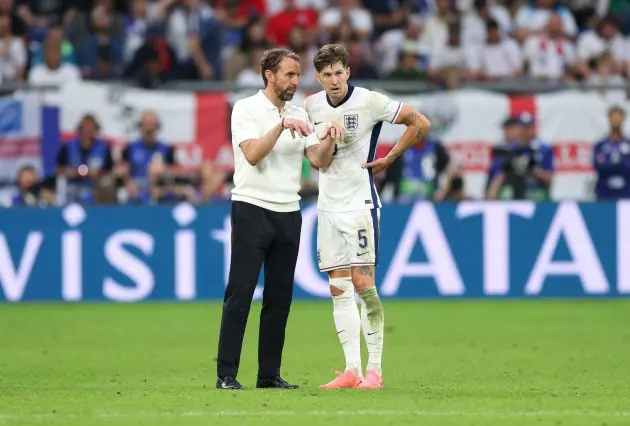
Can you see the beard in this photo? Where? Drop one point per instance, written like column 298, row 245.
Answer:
column 285, row 95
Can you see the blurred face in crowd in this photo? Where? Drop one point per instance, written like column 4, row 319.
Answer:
column 149, row 124
column 616, row 119
column 290, row 5
column 52, row 54
column 443, row 6
column 5, row 25
column 286, row 79
column 139, row 8
column 87, row 130
column 408, row 61
column 554, row 26
column 6, row 5
column 608, row 30
column 334, row 80
column 192, row 4
column 100, row 19
column 346, row 5
column 494, row 36
column 257, row 32
column 413, row 30
column 27, row 178
column 56, row 34
column 529, row 132
column 514, row 133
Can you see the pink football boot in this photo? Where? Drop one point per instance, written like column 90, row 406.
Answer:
column 372, row 380
column 345, row 380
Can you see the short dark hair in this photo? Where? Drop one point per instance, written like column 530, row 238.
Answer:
column 616, row 109
column 271, row 60
column 330, row 54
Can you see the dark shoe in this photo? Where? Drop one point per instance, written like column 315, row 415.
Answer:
column 228, row 382
column 274, row 382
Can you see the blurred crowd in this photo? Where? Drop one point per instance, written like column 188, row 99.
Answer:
column 447, row 42
column 146, row 171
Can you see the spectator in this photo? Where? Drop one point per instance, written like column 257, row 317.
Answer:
column 53, row 72
column 550, row 55
column 497, row 58
column 359, row 18
column 143, row 15
column 206, row 187
column 360, row 67
column 31, row 190
column 533, row 17
column 83, row 161
column 606, row 75
column 593, row 43
column 280, row 25
column 153, row 64
column 57, row 33
column 408, row 64
column 12, row 53
column 449, row 64
column 387, row 14
column 80, row 28
column 523, row 167
column 18, row 26
column 194, row 32
column 251, row 75
column 39, row 15
column 611, row 160
column 474, row 22
column 138, row 155
column 102, row 53
column 436, row 27
column 237, row 60
column 276, row 6
column 388, row 45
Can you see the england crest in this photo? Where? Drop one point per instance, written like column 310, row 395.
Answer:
column 351, row 122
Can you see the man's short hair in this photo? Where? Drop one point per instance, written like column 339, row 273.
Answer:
column 616, row 109
column 330, row 54
column 271, row 60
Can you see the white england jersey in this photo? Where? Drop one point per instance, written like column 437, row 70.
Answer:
column 345, row 186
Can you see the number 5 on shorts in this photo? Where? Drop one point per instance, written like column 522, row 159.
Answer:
column 362, row 234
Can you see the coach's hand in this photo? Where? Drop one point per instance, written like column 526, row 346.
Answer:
column 296, row 126
column 378, row 166
column 336, row 132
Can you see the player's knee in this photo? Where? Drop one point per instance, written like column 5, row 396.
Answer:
column 341, row 287
column 363, row 277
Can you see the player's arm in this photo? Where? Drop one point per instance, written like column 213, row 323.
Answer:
column 255, row 150
column 418, row 125
column 320, row 155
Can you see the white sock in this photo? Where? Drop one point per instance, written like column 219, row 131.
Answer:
column 348, row 323
column 372, row 322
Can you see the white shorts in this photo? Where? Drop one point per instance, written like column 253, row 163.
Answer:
column 347, row 239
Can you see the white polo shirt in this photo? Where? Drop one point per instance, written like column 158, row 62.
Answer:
column 274, row 182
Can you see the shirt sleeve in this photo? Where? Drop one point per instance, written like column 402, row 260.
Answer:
column 383, row 108
column 244, row 125
column 547, row 158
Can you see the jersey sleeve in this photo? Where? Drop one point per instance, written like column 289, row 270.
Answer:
column 244, row 125
column 383, row 108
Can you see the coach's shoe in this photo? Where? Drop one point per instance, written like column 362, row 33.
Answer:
column 345, row 380
column 228, row 382
column 274, row 383
column 372, row 380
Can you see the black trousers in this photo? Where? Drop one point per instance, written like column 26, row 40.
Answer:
column 259, row 236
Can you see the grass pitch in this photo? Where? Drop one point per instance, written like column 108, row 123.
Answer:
column 446, row 363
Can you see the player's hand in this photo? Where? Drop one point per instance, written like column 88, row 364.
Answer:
column 336, row 132
column 378, row 166
column 297, row 126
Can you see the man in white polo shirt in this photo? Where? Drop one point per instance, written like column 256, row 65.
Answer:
column 270, row 138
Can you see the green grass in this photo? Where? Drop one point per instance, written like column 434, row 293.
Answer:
column 446, row 363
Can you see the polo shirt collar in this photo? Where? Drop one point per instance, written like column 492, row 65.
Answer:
column 264, row 100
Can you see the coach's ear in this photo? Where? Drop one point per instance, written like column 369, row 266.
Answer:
column 269, row 75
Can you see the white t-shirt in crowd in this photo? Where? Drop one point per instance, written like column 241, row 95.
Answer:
column 498, row 60
column 548, row 58
column 274, row 182
column 590, row 45
column 360, row 19
column 41, row 75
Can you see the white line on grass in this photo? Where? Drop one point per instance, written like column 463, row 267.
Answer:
column 5, row 417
